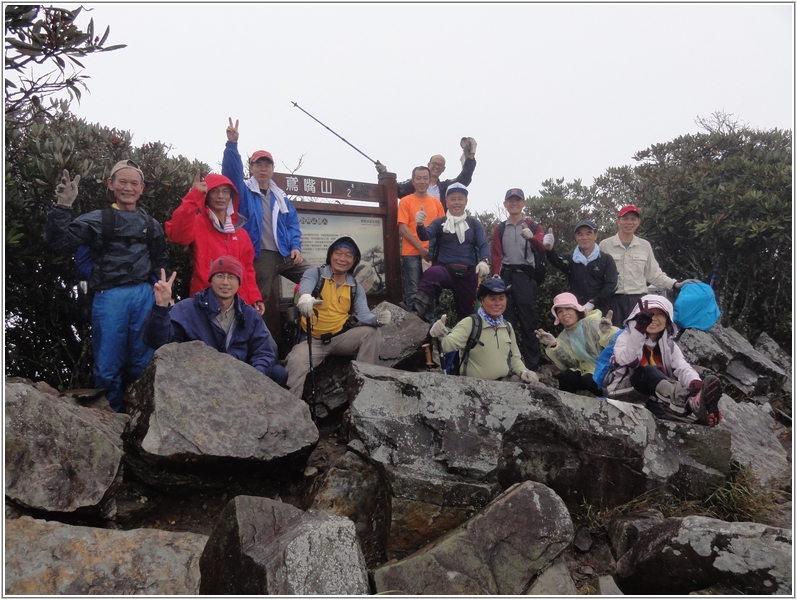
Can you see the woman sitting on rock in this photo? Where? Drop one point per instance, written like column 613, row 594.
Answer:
column 647, row 359
column 577, row 348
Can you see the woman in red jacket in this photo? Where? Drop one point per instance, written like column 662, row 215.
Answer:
column 208, row 222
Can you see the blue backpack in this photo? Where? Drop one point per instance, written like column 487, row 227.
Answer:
column 604, row 361
column 696, row 307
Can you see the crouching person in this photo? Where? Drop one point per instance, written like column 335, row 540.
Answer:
column 575, row 351
column 496, row 354
column 329, row 307
column 216, row 316
column 647, row 359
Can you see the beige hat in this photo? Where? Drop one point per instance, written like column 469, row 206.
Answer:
column 126, row 164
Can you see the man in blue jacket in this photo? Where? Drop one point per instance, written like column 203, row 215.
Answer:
column 271, row 219
column 216, row 316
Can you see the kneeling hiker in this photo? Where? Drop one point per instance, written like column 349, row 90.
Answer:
column 577, row 348
column 217, row 316
column 495, row 353
column 647, row 359
column 329, row 296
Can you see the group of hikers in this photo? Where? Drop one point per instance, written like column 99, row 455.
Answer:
column 244, row 232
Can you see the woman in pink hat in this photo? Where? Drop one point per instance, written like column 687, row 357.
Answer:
column 585, row 335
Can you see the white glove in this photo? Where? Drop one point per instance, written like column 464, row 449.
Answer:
column 548, row 240
column 529, row 377
column 439, row 329
column 526, row 233
column 605, row 325
column 544, row 337
column 66, row 191
column 420, row 216
column 483, row 269
column 383, row 317
column 380, row 168
column 588, row 306
column 468, row 145
column 306, row 303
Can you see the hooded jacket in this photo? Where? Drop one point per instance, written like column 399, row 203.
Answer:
column 195, row 319
column 191, row 225
column 630, row 344
column 285, row 225
column 578, row 348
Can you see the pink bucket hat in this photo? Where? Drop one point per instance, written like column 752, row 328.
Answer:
column 566, row 300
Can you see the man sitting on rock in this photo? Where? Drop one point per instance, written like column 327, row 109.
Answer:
column 496, row 354
column 331, row 300
column 217, row 316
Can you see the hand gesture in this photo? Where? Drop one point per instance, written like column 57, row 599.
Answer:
column 548, row 240
column 642, row 318
column 199, row 184
column 380, row 168
column 545, row 338
column 384, row 316
column 232, row 131
column 66, row 191
column 526, row 233
column 163, row 289
column 420, row 216
column 439, row 329
column 605, row 325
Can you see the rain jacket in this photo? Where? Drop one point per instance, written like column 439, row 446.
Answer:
column 285, row 225
column 577, row 349
column 630, row 344
column 497, row 356
column 191, row 225
column 195, row 319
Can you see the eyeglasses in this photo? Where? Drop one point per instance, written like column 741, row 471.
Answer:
column 227, row 276
column 439, row 165
column 220, row 192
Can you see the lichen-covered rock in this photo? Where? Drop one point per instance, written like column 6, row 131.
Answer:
column 196, row 410
column 554, row 581
column 60, row 457
column 49, row 558
column 683, row 555
column 623, row 530
column 498, row 551
column 262, row 546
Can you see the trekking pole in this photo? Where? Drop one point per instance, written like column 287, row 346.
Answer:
column 341, row 137
column 312, row 371
column 442, row 356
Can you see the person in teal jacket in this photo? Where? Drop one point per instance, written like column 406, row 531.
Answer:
column 271, row 220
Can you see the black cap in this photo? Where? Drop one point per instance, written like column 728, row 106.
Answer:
column 585, row 223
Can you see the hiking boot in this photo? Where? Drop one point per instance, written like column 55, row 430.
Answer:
column 421, row 304
column 707, row 401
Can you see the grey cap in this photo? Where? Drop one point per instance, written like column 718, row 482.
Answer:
column 586, row 223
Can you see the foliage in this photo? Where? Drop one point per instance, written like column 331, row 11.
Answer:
column 717, row 206
column 45, row 339
column 39, row 36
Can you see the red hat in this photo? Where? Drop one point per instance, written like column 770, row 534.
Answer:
column 227, row 264
column 261, row 154
column 627, row 209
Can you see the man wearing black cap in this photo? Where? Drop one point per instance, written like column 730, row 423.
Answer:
column 127, row 249
column 591, row 274
column 496, row 355
column 519, row 257
column 271, row 220
column 217, row 316
column 339, row 298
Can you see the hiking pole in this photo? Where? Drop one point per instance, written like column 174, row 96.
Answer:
column 442, row 356
column 312, row 371
column 341, row 137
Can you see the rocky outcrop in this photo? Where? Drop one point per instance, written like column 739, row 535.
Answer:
column 48, row 558
column 196, row 411
column 498, row 551
column 60, row 457
column 262, row 546
column 624, row 530
column 553, row 581
column 683, row 555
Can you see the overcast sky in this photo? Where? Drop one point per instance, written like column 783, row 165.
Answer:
column 548, row 91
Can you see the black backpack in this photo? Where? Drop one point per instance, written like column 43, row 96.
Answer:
column 539, row 257
column 460, row 364
column 294, row 317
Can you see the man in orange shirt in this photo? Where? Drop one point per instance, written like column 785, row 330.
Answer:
column 413, row 250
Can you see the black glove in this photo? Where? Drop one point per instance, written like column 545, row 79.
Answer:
column 642, row 318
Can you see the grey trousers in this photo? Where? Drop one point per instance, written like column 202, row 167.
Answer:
column 270, row 264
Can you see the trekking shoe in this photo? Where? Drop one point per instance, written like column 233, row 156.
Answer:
column 708, row 400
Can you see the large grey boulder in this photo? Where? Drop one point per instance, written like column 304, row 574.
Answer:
column 262, row 546
column 487, row 431
column 623, row 530
column 754, row 442
column 769, row 348
column 498, row 551
column 48, row 558
column 60, row 457
column 683, row 555
column 195, row 411
column 553, row 581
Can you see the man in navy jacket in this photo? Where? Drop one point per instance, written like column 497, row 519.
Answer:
column 216, row 316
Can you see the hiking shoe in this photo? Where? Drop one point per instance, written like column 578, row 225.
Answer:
column 709, row 398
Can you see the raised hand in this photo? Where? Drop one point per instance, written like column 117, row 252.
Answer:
column 163, row 289
column 420, row 216
column 545, row 338
column 66, row 191
column 199, row 184
column 548, row 240
column 605, row 324
column 642, row 318
column 439, row 329
column 232, row 131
